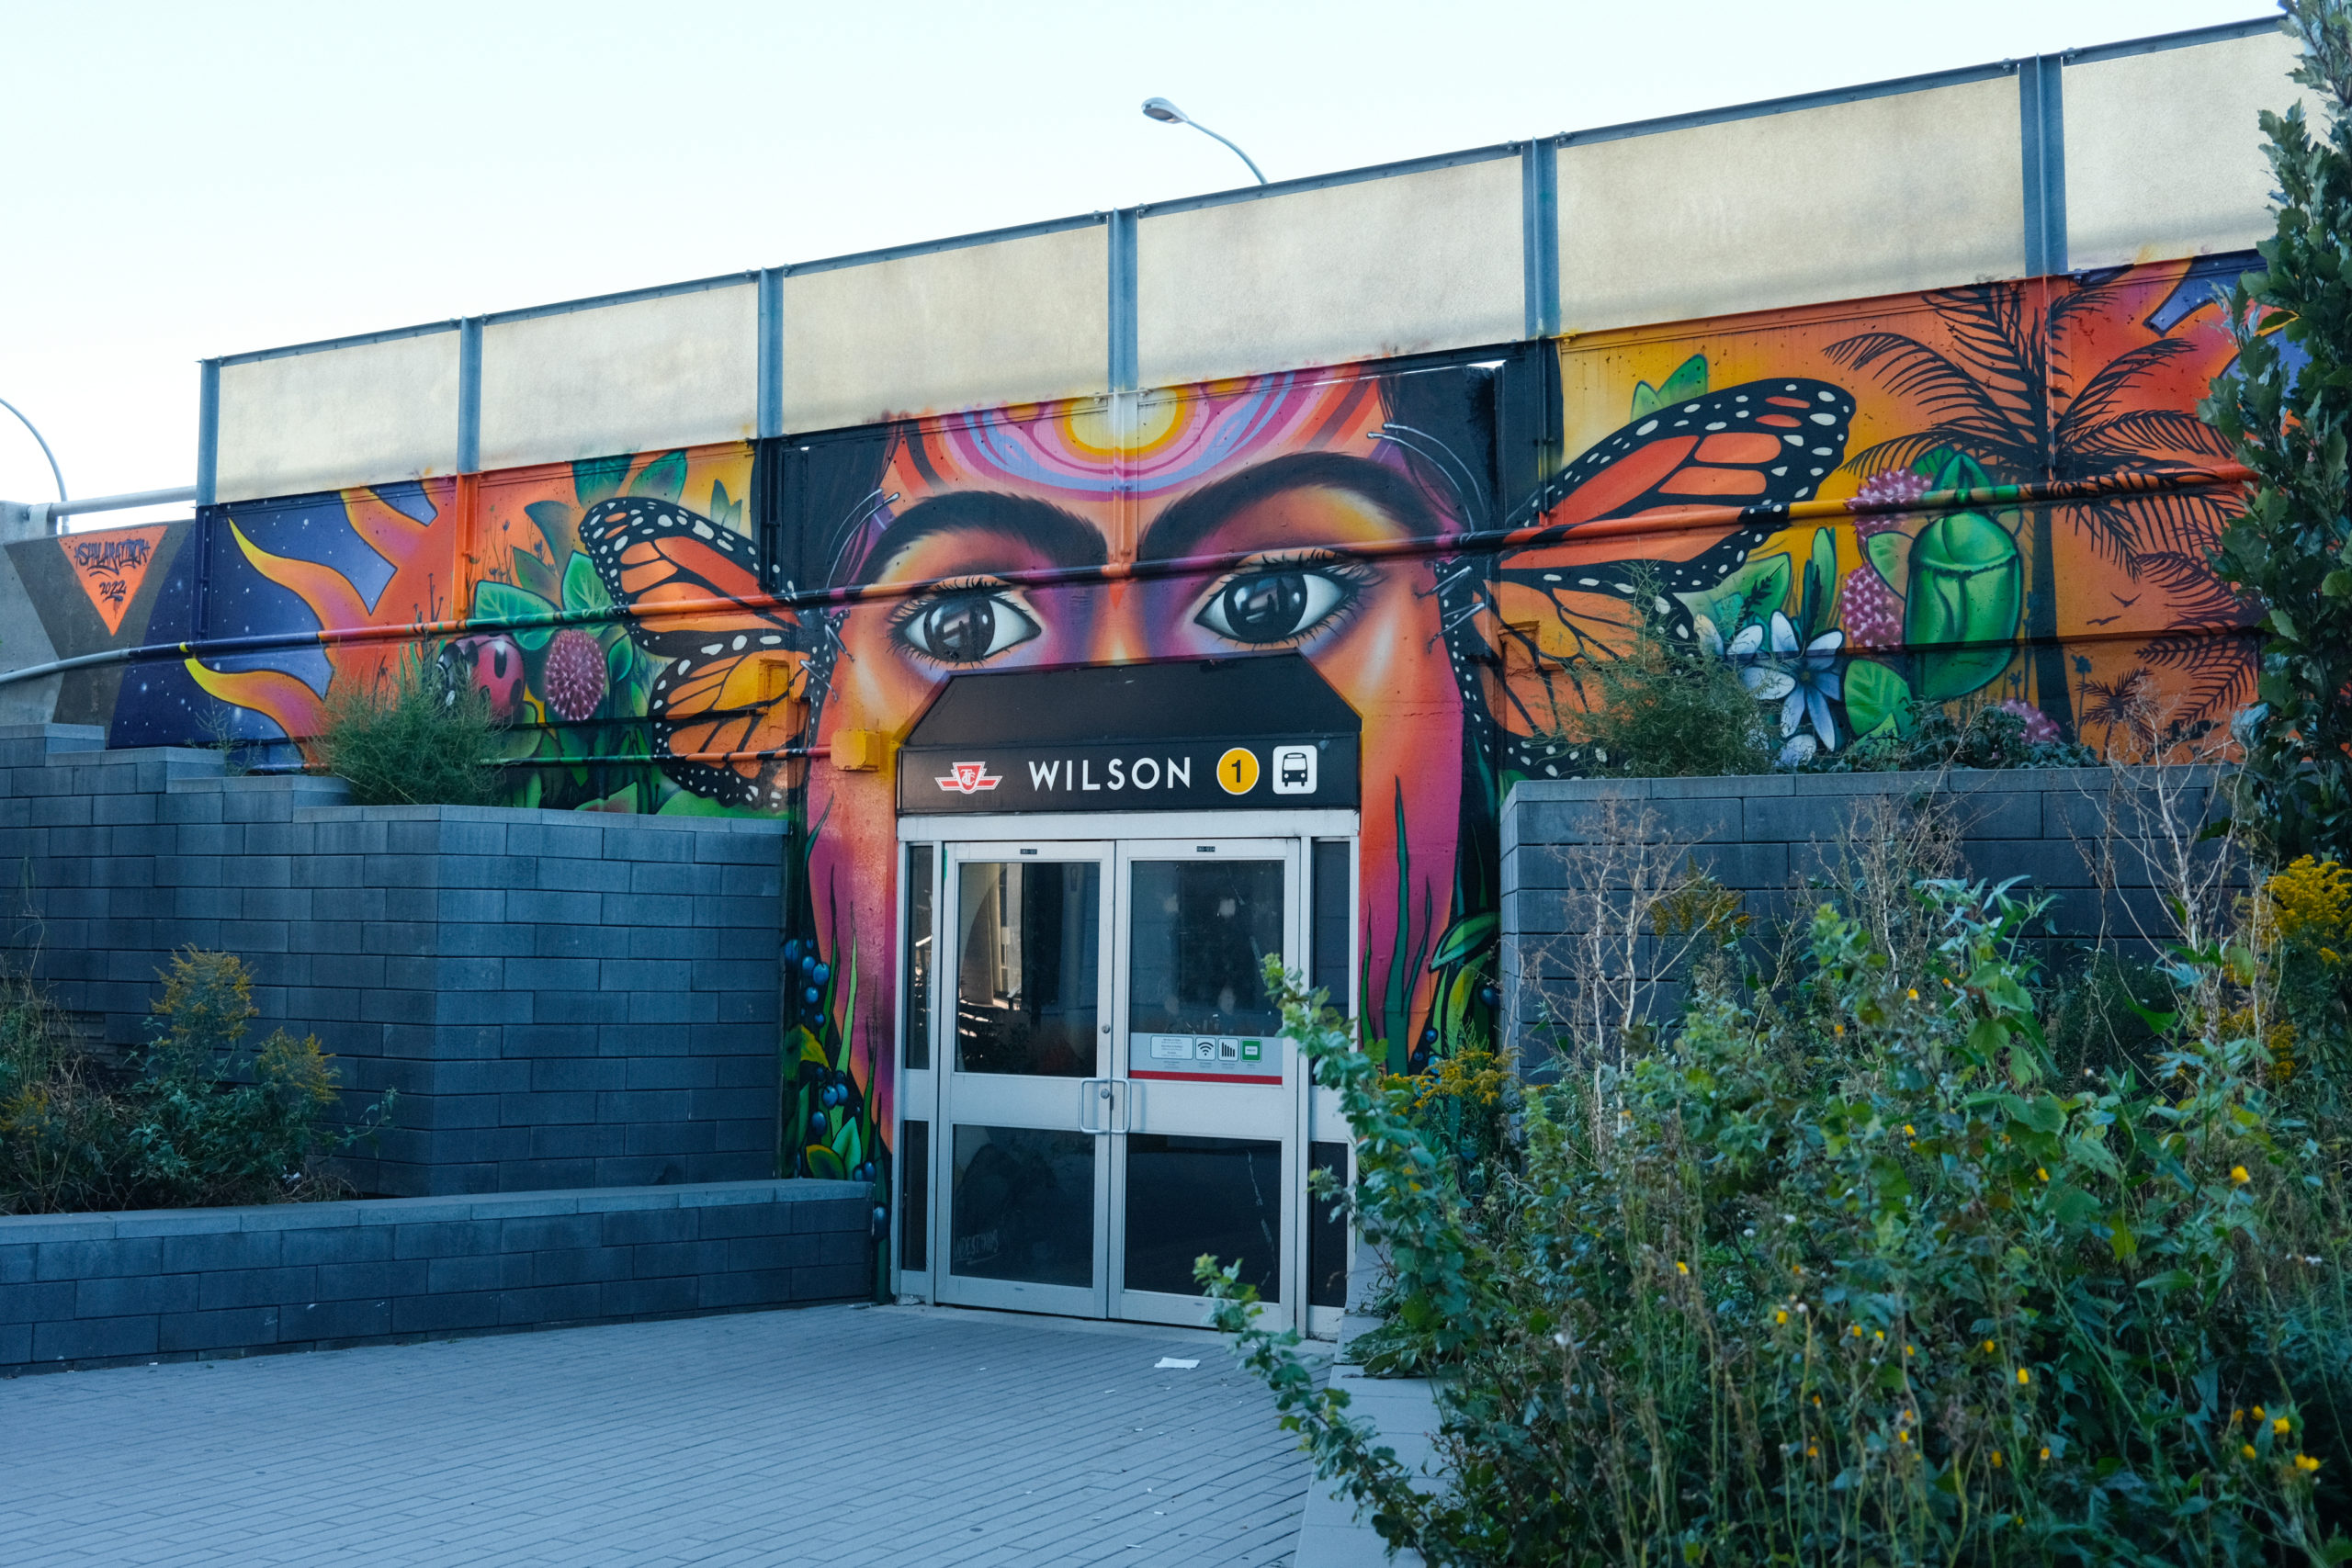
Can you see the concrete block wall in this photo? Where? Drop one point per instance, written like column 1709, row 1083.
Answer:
column 83, row 1289
column 2072, row 832
column 560, row 999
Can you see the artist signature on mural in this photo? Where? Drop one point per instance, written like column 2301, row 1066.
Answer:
column 104, row 561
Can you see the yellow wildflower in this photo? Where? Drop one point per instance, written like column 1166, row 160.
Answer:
column 1997, row 1458
column 2045, row 1450
column 2024, row 1377
column 2305, row 1464
column 1682, row 1268
column 2247, row 1450
column 1781, row 1316
column 2282, row 1425
column 2238, row 1174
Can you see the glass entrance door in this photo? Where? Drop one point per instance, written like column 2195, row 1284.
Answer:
column 1029, row 1097
column 1207, row 1161
column 1118, row 1100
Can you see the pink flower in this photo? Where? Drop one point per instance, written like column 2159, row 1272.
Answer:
column 2038, row 727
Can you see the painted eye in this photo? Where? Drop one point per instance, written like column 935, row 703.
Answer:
column 1274, row 605
column 965, row 628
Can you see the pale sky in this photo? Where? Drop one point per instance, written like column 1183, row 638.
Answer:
column 189, row 180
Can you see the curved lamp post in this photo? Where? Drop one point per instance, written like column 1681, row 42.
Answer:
column 1167, row 113
column 57, row 474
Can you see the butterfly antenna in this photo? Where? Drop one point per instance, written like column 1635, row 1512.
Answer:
column 1469, row 495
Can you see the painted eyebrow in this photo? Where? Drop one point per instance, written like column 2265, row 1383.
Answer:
column 1062, row 536
column 1178, row 531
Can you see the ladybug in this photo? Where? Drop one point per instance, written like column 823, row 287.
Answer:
column 492, row 665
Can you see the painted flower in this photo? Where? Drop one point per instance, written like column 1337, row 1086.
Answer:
column 1868, row 603
column 1803, row 678
column 2040, row 728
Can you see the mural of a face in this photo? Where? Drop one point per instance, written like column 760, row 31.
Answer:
column 1283, row 533
column 1241, row 518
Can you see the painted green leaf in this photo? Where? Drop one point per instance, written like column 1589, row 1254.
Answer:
column 1876, row 698
column 583, row 589
column 1889, row 554
column 1820, row 585
column 1949, row 468
column 849, row 1008
column 535, row 574
column 593, row 478
column 1689, row 380
column 725, row 511
column 810, row 1051
column 617, row 659
column 846, row 1144
column 823, row 1162
column 1466, row 937
column 1962, row 604
column 504, row 602
column 1746, row 597
column 665, row 478
column 553, row 517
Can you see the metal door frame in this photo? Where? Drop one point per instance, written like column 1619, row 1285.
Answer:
column 993, row 1099
column 920, row 1091
column 1289, row 1115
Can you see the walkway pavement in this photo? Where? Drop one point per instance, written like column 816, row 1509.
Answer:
column 839, row 1435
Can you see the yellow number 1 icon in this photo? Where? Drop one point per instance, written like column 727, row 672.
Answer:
column 1237, row 771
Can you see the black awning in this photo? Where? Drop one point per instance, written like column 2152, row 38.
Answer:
column 1213, row 734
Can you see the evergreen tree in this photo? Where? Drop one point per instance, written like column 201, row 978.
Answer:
column 2286, row 406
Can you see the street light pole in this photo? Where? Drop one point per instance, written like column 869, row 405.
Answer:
column 1167, row 113
column 54, row 472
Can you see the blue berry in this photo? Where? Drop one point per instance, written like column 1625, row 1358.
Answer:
column 809, row 995
column 823, row 973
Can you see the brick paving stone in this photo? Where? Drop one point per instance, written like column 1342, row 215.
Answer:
column 837, row 1435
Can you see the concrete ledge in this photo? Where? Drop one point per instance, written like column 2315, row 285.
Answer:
column 99, row 1290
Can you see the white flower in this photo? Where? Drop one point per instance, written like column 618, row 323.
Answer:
column 1764, row 683
column 1812, row 676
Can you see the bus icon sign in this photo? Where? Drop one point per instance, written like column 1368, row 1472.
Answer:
column 1294, row 770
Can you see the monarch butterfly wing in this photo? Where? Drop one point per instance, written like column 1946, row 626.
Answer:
column 691, row 592
column 684, row 581
column 1652, row 501
column 719, row 736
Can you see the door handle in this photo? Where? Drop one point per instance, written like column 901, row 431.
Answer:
column 1124, row 1107
column 1091, row 1092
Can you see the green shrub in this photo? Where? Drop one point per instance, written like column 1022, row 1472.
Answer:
column 197, row 1122
column 2286, row 408
column 1844, row 1272
column 1984, row 735
column 1670, row 708
column 418, row 739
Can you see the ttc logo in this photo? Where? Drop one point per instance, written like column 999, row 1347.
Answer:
column 970, row 778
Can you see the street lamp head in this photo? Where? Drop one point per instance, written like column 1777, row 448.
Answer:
column 1164, row 112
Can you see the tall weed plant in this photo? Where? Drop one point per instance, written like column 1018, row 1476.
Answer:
column 1843, row 1273
column 417, row 737
column 1669, row 708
